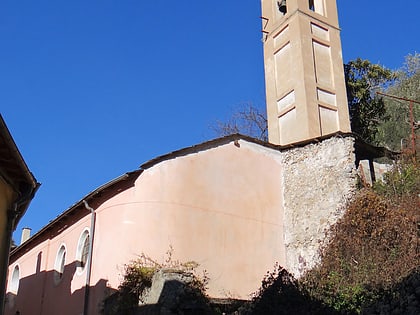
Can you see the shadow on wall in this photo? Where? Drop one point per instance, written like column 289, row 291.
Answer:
column 49, row 292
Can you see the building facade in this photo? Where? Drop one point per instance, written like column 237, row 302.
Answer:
column 194, row 200
column 234, row 205
column 17, row 188
column 221, row 204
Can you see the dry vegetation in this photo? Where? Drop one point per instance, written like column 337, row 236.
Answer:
column 374, row 246
column 138, row 277
column 371, row 264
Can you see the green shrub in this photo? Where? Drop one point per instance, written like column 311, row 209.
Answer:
column 281, row 293
column 402, row 179
column 138, row 278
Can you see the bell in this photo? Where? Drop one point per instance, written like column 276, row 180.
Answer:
column 282, row 6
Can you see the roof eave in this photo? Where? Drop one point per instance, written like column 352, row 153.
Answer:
column 129, row 176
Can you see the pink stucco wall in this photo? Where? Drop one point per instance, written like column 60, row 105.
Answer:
column 220, row 207
column 38, row 293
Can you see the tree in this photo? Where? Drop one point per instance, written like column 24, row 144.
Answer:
column 367, row 109
column 395, row 129
column 248, row 120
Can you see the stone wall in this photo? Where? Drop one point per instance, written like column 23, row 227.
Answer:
column 173, row 292
column 379, row 169
column 318, row 179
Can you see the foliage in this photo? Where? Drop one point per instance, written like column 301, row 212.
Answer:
column 248, row 120
column 408, row 79
column 395, row 130
column 280, row 293
column 366, row 108
column 401, row 298
column 402, row 179
column 373, row 246
column 138, row 278
column 377, row 119
column 371, row 261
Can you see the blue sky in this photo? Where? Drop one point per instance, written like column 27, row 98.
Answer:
column 91, row 89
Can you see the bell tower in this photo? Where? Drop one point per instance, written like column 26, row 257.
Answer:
column 305, row 87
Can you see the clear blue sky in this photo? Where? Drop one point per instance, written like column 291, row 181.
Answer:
column 91, row 89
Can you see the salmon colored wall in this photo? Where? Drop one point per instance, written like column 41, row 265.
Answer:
column 38, row 292
column 220, row 207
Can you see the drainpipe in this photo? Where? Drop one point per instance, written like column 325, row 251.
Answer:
column 89, row 262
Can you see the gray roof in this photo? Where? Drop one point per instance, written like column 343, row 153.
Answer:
column 125, row 181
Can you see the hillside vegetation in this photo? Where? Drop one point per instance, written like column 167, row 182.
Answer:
column 371, row 265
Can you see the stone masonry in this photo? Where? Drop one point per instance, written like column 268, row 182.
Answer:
column 319, row 179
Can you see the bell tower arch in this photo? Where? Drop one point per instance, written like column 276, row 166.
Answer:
column 305, row 87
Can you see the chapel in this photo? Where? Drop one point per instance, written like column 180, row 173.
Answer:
column 234, row 205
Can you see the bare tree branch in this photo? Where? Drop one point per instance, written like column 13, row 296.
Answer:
column 248, row 120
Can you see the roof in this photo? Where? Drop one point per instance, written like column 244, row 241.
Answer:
column 125, row 181
column 363, row 149
column 77, row 210
column 205, row 146
column 15, row 172
column 366, row 151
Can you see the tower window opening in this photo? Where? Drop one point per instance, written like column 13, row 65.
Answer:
column 311, row 5
column 317, row 6
column 282, row 6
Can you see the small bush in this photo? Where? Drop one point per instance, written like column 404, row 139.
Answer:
column 403, row 179
column 138, row 278
column 281, row 293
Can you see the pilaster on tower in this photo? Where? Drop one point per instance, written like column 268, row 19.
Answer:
column 305, row 87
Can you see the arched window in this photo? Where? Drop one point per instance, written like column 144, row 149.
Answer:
column 14, row 282
column 60, row 262
column 82, row 254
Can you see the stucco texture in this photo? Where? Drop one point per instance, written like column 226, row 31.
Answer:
column 234, row 207
column 220, row 207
